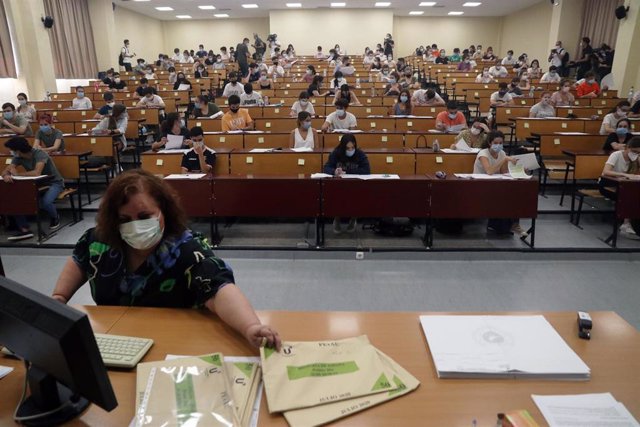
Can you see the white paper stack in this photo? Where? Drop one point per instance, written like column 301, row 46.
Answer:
column 599, row 409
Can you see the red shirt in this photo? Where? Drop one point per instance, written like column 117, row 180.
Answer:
column 585, row 88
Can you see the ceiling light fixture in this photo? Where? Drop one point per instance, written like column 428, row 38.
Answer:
column 338, row 4
column 207, row 7
column 472, row 4
column 427, row 3
column 294, row 4
column 221, row 15
column 416, row 12
column 383, row 4
column 250, row 6
column 183, row 16
column 455, row 13
column 164, row 8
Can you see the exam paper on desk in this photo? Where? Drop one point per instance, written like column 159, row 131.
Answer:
column 597, row 409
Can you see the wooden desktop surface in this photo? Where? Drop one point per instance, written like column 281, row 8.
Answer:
column 613, row 354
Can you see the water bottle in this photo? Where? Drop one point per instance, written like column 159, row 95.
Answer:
column 436, row 146
column 358, row 83
column 631, row 93
column 47, row 96
column 266, row 100
column 531, row 92
column 324, row 73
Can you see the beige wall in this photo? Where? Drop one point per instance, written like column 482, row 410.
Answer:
column 105, row 33
column 144, row 33
column 626, row 62
column 211, row 33
column 528, row 31
column 566, row 22
column 352, row 29
column 447, row 33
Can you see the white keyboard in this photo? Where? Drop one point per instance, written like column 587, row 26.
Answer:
column 122, row 352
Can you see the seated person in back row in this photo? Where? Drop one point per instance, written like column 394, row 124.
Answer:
column 451, row 120
column 340, row 119
column 302, row 105
column 81, row 102
column 205, row 107
column 427, row 97
column 236, row 118
column 105, row 110
column 150, row 100
column 544, row 108
column 233, row 87
column 12, row 122
column 618, row 139
column 48, row 139
column 303, row 136
column 172, row 126
column 118, row 84
column 589, row 88
column 35, row 163
column 250, row 98
column 144, row 83
column 475, row 137
column 200, row 158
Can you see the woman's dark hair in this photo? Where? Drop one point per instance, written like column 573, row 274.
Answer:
column 491, row 136
column 634, row 142
column 116, row 112
column 168, row 123
column 317, row 79
column 303, row 95
column 312, row 68
column 248, row 88
column 337, row 75
column 341, row 149
column 407, row 105
column 18, row 143
column 302, row 116
column 203, row 99
column 624, row 120
column 118, row 194
column 624, row 103
column 22, row 94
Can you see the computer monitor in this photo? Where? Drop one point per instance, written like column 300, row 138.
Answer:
column 64, row 367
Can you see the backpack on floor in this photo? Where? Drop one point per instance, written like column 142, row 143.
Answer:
column 393, row 227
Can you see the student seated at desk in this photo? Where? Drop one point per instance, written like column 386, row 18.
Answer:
column 589, row 88
column 485, row 77
column 236, row 118
column 498, row 70
column 347, row 158
column 303, row 136
column 402, row 107
column 514, row 88
column 172, row 126
column 621, row 164
column 233, row 87
column 302, row 105
column 345, row 92
column 150, row 100
column 314, row 88
column 502, row 97
column 200, row 158
column 563, row 97
column 48, row 139
column 250, row 98
column 141, row 253
column 144, row 84
column 204, row 107
column 109, row 78
column 551, row 76
column 35, row 163
column 149, row 74
column 81, row 102
column 610, row 121
column 340, row 119
column 451, row 120
column 618, row 140
column 115, row 125
column 427, row 96
column 544, row 108
column 27, row 110
column 12, row 122
column 181, row 80
column 475, row 137
column 105, row 110
column 118, row 84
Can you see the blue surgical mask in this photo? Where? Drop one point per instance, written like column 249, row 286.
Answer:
column 8, row 115
column 340, row 112
column 404, row 98
column 80, row 94
column 306, row 125
column 496, row 148
column 350, row 153
column 392, row 81
column 45, row 128
column 622, row 131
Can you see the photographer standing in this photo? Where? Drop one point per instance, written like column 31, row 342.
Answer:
column 388, row 46
column 559, row 58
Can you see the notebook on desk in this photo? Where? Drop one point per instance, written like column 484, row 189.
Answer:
column 500, row 347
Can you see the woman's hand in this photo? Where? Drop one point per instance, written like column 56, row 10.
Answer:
column 257, row 333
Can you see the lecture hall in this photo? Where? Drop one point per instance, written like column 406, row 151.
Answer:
column 318, row 212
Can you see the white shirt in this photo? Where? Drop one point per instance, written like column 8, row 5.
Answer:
column 508, row 61
column 542, row 111
column 251, row 100
column 548, row 78
column 301, row 142
column 420, row 98
column 555, row 59
column 495, row 72
column 151, row 76
column 346, row 123
column 347, row 71
column 617, row 161
column 125, row 58
column 231, row 89
column 320, row 55
column 495, row 97
column 482, row 79
column 156, row 101
column 341, row 81
column 81, row 103
column 297, row 108
column 277, row 69
column 189, row 60
column 121, row 125
column 178, row 57
column 610, row 120
column 477, row 166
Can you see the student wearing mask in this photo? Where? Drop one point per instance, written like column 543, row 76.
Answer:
column 610, row 121
column 465, row 64
column 589, row 88
column 105, row 110
column 346, row 93
column 402, row 107
column 475, row 137
column 236, row 118
column 48, row 139
column 315, row 86
column 534, row 71
column 544, row 108
column 118, row 84
column 172, row 125
column 558, row 58
column 340, row 119
column 181, row 80
column 81, row 102
column 242, row 57
column 150, row 73
column 489, row 56
column 303, row 136
column 204, row 107
column 127, row 55
column 177, row 56
column 150, row 100
column 442, row 58
column 319, row 54
column 173, row 76
column 201, row 72
column 27, row 110
column 275, row 70
column 265, row 81
column 498, row 70
column 139, row 223
column 309, row 74
column 199, row 159
column 563, row 97
column 456, row 57
column 33, row 162
column 484, row 77
column 514, row 88
column 140, row 67
column 551, row 76
column 509, row 59
column 140, row 90
column 201, row 53
column 115, row 125
column 502, row 96
column 250, row 98
column 12, row 122
column 187, row 58
column 618, row 140
column 233, row 87
column 451, row 120
column 393, row 88
column 302, row 105
column 218, row 63
column 346, row 68
column 338, row 81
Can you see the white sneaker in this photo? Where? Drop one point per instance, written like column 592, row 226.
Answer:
column 352, row 225
column 337, row 227
column 518, row 230
column 626, row 228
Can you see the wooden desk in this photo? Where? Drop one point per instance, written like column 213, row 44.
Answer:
column 275, row 163
column 613, row 354
column 467, row 198
column 627, row 204
column 22, row 198
column 552, row 145
column 390, row 161
column 526, row 126
column 369, row 140
column 586, row 164
column 195, row 195
column 229, row 141
column 426, row 139
column 429, row 162
column 266, row 140
column 168, row 163
column 99, row 145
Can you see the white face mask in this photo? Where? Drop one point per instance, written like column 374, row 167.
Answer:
column 475, row 131
column 143, row 233
column 22, row 102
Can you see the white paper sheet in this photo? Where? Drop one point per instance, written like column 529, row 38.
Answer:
column 185, row 176
column 216, row 115
column 450, row 151
column 4, row 371
column 347, row 131
column 261, row 150
column 174, row 151
column 528, row 161
column 517, row 171
column 599, row 409
column 371, row 176
column 302, row 149
column 174, row 142
column 320, row 175
column 456, row 128
column 26, row 178
column 184, row 87
column 500, row 346
column 462, row 145
column 480, row 176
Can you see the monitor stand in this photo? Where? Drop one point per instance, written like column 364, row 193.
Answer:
column 46, row 395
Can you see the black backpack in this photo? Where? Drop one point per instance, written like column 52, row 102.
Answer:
column 393, row 227
column 565, row 58
column 121, row 59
